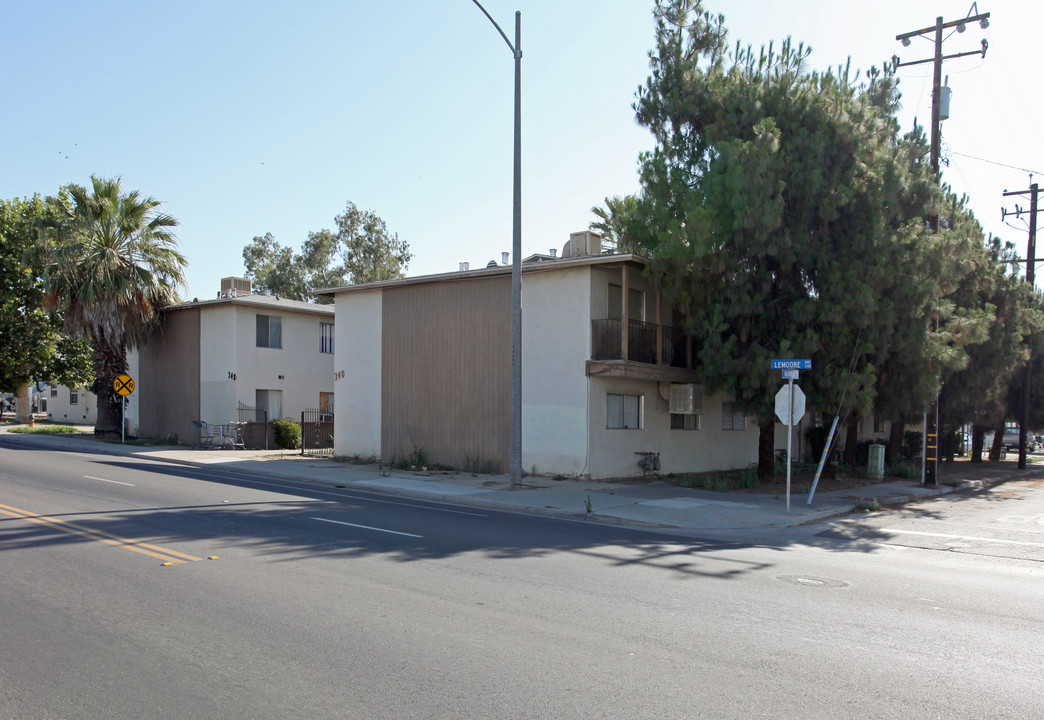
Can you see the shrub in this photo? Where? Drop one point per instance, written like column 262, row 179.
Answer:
column 913, row 442
column 817, row 437
column 287, row 433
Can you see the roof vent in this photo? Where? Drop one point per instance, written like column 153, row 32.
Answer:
column 503, row 258
column 554, row 252
column 491, row 263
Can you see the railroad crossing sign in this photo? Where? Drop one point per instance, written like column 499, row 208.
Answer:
column 123, row 385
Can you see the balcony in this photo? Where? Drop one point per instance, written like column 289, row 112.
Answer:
column 654, row 351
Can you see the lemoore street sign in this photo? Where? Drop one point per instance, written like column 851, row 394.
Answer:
column 792, row 364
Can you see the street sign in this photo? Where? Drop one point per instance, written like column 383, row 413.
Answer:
column 792, row 364
column 123, row 385
column 783, row 405
column 791, row 374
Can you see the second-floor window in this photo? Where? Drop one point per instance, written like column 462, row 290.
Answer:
column 269, row 331
column 326, row 335
column 74, row 397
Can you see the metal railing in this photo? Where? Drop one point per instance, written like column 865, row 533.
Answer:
column 606, row 342
column 317, row 432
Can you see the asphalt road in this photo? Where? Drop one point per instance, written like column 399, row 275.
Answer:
column 328, row 603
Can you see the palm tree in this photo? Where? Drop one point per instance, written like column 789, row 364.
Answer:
column 112, row 265
column 614, row 223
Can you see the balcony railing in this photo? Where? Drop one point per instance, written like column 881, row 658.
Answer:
column 607, row 336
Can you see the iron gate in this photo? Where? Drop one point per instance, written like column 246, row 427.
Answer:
column 317, row 430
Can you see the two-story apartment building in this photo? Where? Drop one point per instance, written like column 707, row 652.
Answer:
column 607, row 377
column 208, row 359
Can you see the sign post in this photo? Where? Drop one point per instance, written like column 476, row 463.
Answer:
column 790, row 405
column 124, row 386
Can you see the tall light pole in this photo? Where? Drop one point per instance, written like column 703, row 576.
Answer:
column 515, row 460
column 929, row 472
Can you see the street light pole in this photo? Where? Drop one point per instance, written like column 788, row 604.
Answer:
column 515, row 459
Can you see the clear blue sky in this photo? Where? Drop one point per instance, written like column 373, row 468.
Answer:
column 254, row 117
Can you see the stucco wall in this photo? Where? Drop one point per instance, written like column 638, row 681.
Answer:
column 220, row 343
column 707, row 449
column 357, row 373
column 556, row 340
column 233, row 368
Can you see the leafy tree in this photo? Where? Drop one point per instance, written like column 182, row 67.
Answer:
column 270, row 266
column 112, row 264
column 32, row 344
column 977, row 392
column 776, row 205
column 361, row 250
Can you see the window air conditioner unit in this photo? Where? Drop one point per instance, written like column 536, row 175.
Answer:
column 686, row 399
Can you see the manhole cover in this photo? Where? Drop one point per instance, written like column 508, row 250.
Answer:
column 812, row 581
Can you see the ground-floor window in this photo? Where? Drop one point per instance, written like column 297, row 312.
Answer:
column 326, row 402
column 731, row 418
column 74, row 397
column 623, row 412
column 681, row 421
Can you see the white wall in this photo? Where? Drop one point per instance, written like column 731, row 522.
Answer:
column 357, row 374
column 556, row 341
column 60, row 410
column 132, row 413
column 233, row 368
column 220, row 341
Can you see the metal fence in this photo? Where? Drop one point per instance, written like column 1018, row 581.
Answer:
column 256, row 431
column 317, row 431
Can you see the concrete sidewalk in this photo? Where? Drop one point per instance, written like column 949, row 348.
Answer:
column 654, row 504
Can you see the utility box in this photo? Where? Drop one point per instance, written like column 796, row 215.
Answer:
column 875, row 468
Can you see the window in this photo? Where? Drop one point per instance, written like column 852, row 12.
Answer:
column 623, row 412
column 54, row 391
column 326, row 337
column 326, row 402
column 731, row 419
column 269, row 331
column 74, row 397
column 685, row 422
column 635, row 303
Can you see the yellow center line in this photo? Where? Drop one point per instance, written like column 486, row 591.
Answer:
column 99, row 535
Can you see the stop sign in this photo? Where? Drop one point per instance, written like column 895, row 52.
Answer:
column 783, row 405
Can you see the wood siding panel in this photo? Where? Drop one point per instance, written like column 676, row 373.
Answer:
column 169, row 382
column 446, row 373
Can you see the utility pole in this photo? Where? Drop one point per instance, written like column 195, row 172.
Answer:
column 1031, row 259
column 930, row 470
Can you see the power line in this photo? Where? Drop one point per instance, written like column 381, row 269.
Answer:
column 994, row 162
